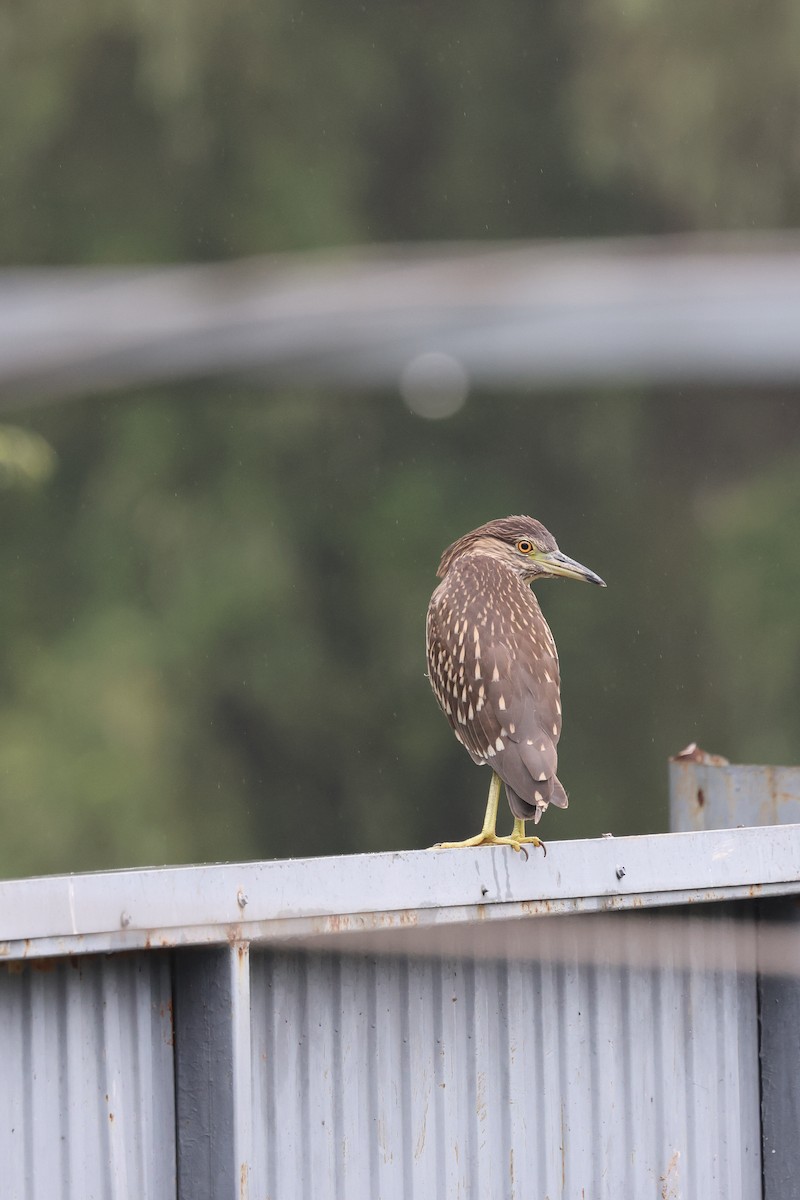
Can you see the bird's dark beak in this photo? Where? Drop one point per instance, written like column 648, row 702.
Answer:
column 556, row 563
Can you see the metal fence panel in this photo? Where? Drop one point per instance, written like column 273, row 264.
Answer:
column 87, row 1097
column 409, row 1025
column 213, row 1072
column 491, row 1080
column 712, row 794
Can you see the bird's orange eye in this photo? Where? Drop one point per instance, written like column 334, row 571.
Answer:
column 524, row 547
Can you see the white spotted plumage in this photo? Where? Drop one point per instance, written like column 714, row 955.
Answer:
column 506, row 677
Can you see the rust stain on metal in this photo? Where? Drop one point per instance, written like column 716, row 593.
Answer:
column 693, row 753
column 669, row 1180
column 358, row 922
column 420, row 1146
column 383, row 1144
column 480, row 1106
column 244, row 1189
column 336, row 924
column 167, row 1014
column 701, row 798
column 536, row 908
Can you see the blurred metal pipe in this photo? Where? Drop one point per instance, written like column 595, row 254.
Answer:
column 707, row 308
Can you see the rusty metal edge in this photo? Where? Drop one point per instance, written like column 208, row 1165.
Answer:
column 294, row 931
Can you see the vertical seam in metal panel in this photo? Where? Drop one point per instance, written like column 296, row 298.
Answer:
column 759, row 1037
column 63, row 1077
column 473, row 1170
column 657, row 980
column 626, row 1183
column 141, row 1044
column 562, row 1009
column 166, row 988
column 538, row 1018
column 306, row 1083
column 27, row 1078
column 105, row 1136
column 687, row 1038
column 241, row 1053
column 405, row 1083
column 597, row 1108
column 504, row 1117
column 173, row 1002
column 438, row 1074
column 267, row 1073
column 338, row 1083
column 723, row 992
column 304, row 967
column 372, row 1073
column 748, row 985
column 160, row 1033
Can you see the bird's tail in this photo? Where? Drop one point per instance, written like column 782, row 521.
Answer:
column 532, row 810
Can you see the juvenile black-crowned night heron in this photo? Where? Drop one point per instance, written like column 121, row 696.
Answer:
column 493, row 665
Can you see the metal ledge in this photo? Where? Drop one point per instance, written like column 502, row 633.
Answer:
column 272, row 902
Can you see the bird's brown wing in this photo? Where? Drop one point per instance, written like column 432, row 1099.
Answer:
column 524, row 708
column 503, row 704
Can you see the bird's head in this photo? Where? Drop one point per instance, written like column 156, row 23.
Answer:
column 521, row 544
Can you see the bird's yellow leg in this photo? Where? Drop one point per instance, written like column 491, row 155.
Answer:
column 518, row 836
column 488, row 834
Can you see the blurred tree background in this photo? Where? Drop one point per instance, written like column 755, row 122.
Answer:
column 213, row 597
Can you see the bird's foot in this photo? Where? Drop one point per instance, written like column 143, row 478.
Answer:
column 488, row 838
column 519, row 844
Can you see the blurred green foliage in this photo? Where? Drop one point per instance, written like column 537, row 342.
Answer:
column 212, row 611
column 25, row 457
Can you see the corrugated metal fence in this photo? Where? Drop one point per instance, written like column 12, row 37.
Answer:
column 616, row 1020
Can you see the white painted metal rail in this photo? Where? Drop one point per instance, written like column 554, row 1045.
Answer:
column 276, row 901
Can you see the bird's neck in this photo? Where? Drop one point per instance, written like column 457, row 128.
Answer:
column 479, row 575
